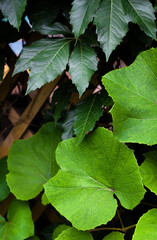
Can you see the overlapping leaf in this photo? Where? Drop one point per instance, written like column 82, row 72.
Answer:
column 148, row 171
column 68, row 129
column 114, row 236
column 58, row 230
column 19, row 225
column 13, row 11
column 111, row 25
column 134, row 91
column 141, row 13
column 90, row 174
column 83, row 64
column 81, row 15
column 4, row 189
column 146, row 226
column 31, row 162
column 46, row 59
column 72, row 233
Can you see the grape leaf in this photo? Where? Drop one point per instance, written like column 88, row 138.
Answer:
column 134, row 91
column 31, row 162
column 82, row 64
column 72, row 233
column 19, row 225
column 87, row 113
column 148, row 170
column 81, row 15
column 58, row 230
column 141, row 13
column 146, row 226
column 4, row 189
column 111, row 25
column 46, row 59
column 91, row 172
column 13, row 11
column 114, row 236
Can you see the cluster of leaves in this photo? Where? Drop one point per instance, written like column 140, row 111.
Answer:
column 86, row 171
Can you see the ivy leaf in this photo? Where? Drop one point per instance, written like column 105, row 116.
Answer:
column 72, row 233
column 91, row 172
column 68, row 129
column 148, row 170
column 4, row 189
column 114, row 236
column 111, row 25
column 146, row 226
column 31, row 162
column 141, row 13
column 58, row 230
column 46, row 59
column 83, row 64
column 81, row 15
column 134, row 91
column 19, row 225
column 87, row 113
column 13, row 11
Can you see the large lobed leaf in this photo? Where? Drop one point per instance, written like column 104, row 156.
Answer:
column 31, row 162
column 134, row 91
column 91, row 172
column 46, row 59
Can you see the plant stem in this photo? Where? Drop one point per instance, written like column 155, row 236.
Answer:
column 113, row 229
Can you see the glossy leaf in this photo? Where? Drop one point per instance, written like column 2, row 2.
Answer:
column 31, row 162
column 13, row 11
column 114, row 236
column 83, row 64
column 141, row 13
column 72, row 233
column 134, row 91
column 68, row 129
column 91, row 172
column 46, row 59
column 4, row 189
column 146, row 226
column 82, row 14
column 19, row 225
column 87, row 113
column 148, row 171
column 58, row 230
column 111, row 25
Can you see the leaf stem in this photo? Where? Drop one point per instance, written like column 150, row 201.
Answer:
column 113, row 229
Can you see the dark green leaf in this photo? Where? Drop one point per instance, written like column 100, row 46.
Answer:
column 68, row 129
column 4, row 189
column 31, row 162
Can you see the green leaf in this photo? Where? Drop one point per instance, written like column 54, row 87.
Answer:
column 87, row 113
column 134, row 91
column 141, row 13
column 148, row 170
column 19, row 225
column 13, row 11
column 31, row 162
column 58, row 230
column 114, row 236
column 68, row 129
column 111, row 25
column 74, row 234
column 91, row 172
column 82, row 14
column 4, row 189
column 82, row 64
column 146, row 226
column 46, row 59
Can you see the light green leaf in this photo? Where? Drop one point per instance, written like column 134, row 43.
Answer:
column 134, row 91
column 13, row 11
column 4, row 189
column 147, row 226
column 74, row 234
column 82, row 14
column 114, row 236
column 111, row 25
column 44, row 199
column 91, row 172
column 141, row 13
column 83, row 64
column 58, row 230
column 31, row 162
column 19, row 225
column 87, row 113
column 68, row 129
column 148, row 171
column 46, row 59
